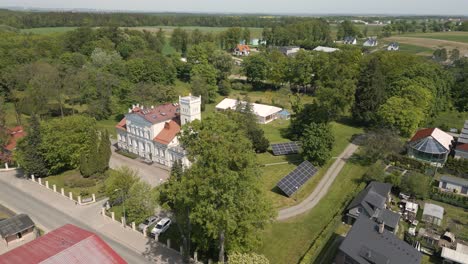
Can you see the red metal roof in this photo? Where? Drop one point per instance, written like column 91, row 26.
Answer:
column 168, row 133
column 423, row 133
column 122, row 124
column 158, row 114
column 242, row 47
column 15, row 134
column 67, row 244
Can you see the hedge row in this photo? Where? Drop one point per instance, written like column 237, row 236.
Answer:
column 449, row 198
column 407, row 163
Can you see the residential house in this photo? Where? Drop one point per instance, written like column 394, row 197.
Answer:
column 15, row 134
column 350, row 40
column 371, row 203
column 433, row 214
column 289, row 50
column 151, row 133
column 369, row 242
column 430, row 145
column 393, row 46
column 264, row 113
column 67, row 244
column 241, row 50
column 325, row 49
column 453, row 184
column 16, row 228
column 371, row 42
column 459, row 255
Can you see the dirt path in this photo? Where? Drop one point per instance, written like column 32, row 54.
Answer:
column 432, row 43
column 322, row 188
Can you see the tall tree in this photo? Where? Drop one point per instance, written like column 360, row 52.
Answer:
column 119, row 182
column 140, row 203
column 317, row 142
column 29, row 151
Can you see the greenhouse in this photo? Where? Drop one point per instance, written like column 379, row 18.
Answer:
column 430, row 145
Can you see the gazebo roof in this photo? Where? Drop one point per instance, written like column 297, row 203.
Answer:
column 431, row 140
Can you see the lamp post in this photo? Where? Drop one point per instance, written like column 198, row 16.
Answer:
column 123, row 200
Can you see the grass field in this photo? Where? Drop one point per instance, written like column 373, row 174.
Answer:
column 455, row 218
column 450, row 36
column 47, row 30
column 271, row 175
column 287, row 242
column 418, row 50
column 432, row 41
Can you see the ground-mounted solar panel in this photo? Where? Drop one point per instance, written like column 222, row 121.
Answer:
column 294, row 180
column 285, row 148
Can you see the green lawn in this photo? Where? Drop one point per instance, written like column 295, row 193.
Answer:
column 287, row 242
column 5, row 212
column 450, row 119
column 72, row 181
column 413, row 49
column 47, row 30
column 450, row 36
column 271, row 175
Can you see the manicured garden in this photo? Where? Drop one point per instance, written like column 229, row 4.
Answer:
column 72, row 181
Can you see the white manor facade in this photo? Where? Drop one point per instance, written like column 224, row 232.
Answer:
column 151, row 133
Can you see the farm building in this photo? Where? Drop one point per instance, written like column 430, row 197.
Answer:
column 16, row 228
column 289, row 50
column 67, row 244
column 325, row 49
column 371, row 42
column 433, row 214
column 265, row 113
column 430, row 145
column 241, row 50
column 453, row 184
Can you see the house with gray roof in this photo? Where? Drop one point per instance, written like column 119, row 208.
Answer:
column 371, row 202
column 463, row 138
column 350, row 40
column 453, row 184
column 15, row 228
column 371, row 42
column 369, row 242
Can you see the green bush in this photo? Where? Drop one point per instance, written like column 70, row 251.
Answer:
column 449, row 198
column 458, row 167
column 127, row 154
column 407, row 163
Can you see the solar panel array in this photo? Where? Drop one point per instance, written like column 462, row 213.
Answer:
column 285, row 148
column 294, row 180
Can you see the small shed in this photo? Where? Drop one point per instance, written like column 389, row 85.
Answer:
column 284, row 114
column 433, row 214
column 16, row 227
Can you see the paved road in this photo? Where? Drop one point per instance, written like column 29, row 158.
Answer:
column 50, row 211
column 322, row 188
column 152, row 174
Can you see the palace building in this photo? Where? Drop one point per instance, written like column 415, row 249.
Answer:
column 151, row 133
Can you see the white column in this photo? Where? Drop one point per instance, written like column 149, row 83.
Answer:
column 94, row 198
column 54, row 187
column 33, row 178
column 6, row 165
column 169, row 243
column 195, row 256
column 79, row 200
column 123, row 221
column 70, row 194
column 47, row 184
column 133, row 226
column 103, row 211
column 145, row 232
column 62, row 191
column 113, row 216
column 40, row 181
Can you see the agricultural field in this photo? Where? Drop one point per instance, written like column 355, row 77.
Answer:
column 47, row 30
column 372, row 30
column 255, row 32
column 432, row 41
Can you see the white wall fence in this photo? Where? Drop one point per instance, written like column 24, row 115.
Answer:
column 8, row 168
column 145, row 233
column 69, row 195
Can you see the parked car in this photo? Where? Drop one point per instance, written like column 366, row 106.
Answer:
column 149, row 221
column 161, row 226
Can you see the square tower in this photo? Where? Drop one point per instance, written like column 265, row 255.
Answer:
column 190, row 108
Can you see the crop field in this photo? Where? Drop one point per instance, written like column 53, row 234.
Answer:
column 47, row 30
column 432, row 41
column 450, row 36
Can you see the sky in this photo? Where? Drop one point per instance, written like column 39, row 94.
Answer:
column 424, row 7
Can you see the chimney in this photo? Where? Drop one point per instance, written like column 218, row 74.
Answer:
column 381, row 227
column 142, row 107
column 129, row 110
column 133, row 106
column 152, row 107
column 138, row 105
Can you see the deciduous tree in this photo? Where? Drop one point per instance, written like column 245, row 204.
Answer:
column 317, row 142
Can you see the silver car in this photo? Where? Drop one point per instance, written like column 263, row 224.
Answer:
column 149, row 221
column 161, row 226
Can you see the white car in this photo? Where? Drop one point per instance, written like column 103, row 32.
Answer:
column 149, row 221
column 161, row 226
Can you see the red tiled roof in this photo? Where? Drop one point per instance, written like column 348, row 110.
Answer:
column 423, row 133
column 241, row 47
column 15, row 134
column 122, row 124
column 67, row 244
column 463, row 147
column 168, row 133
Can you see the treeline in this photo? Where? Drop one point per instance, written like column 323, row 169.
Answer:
column 79, row 19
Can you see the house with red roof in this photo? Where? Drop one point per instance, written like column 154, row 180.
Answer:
column 431, row 145
column 67, row 244
column 242, row 50
column 151, row 133
column 15, row 134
